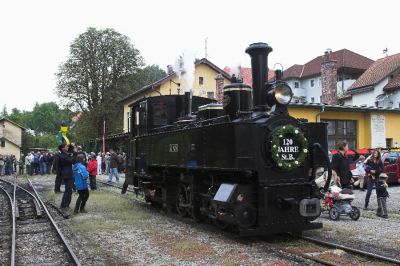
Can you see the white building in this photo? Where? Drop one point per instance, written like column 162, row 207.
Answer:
column 307, row 82
column 378, row 86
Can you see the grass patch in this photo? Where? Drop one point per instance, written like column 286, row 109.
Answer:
column 185, row 246
column 106, row 212
column 92, row 225
column 229, row 263
column 114, row 207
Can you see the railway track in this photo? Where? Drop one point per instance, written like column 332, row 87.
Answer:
column 352, row 250
column 317, row 257
column 37, row 238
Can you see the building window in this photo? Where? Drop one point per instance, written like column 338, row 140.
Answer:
column 296, row 85
column 341, row 130
column 312, row 99
column 389, row 143
column 201, row 81
column 128, row 115
column 210, row 94
column 312, row 83
column 3, row 143
column 137, row 120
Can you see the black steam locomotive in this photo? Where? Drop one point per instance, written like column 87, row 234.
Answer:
column 246, row 164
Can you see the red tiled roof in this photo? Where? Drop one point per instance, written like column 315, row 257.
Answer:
column 294, row 71
column 344, row 58
column 394, row 84
column 247, row 74
column 380, row 69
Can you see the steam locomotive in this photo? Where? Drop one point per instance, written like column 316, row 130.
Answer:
column 245, row 164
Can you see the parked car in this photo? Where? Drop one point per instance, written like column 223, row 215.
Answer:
column 392, row 166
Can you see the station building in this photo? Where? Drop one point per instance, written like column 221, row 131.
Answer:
column 10, row 138
column 361, row 127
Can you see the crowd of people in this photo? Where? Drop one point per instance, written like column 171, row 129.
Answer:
column 8, row 164
column 373, row 168
column 74, row 167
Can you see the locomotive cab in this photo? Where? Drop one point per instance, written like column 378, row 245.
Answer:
column 160, row 112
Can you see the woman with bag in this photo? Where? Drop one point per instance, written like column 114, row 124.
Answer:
column 374, row 168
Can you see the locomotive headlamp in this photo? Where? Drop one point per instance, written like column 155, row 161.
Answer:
column 283, row 93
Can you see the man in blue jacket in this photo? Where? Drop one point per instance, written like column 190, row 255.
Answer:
column 80, row 177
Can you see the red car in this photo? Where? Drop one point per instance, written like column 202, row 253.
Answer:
column 392, row 166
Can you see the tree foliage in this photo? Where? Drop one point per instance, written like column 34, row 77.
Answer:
column 44, row 118
column 4, row 112
column 98, row 60
column 141, row 78
column 47, row 141
column 47, row 117
column 42, row 125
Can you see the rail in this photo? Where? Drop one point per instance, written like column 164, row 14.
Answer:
column 13, row 238
column 35, row 201
column 53, row 223
column 352, row 250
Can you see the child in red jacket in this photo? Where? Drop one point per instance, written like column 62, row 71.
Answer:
column 92, row 169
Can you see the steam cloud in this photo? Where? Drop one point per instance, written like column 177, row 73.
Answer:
column 184, row 67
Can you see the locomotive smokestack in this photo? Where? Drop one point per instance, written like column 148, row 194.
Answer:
column 259, row 66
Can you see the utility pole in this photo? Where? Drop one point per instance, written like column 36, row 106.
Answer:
column 205, row 47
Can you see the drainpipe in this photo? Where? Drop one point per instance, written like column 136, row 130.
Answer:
column 318, row 116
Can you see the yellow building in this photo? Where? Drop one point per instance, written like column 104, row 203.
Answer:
column 10, row 138
column 361, row 127
column 207, row 77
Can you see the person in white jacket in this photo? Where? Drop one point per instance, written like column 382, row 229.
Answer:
column 360, row 172
column 99, row 159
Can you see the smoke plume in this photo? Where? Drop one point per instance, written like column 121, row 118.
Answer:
column 184, row 67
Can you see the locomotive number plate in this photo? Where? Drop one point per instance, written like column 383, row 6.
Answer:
column 310, row 207
column 173, row 147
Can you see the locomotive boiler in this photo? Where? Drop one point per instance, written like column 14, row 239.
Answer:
column 246, row 163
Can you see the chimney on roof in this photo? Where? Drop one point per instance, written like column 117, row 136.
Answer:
column 219, row 86
column 327, row 54
column 170, row 70
column 328, row 79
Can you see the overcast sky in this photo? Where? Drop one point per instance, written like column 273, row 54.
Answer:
column 36, row 34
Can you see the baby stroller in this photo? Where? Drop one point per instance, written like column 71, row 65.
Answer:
column 336, row 201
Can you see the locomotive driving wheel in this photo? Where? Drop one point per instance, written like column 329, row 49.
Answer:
column 184, row 200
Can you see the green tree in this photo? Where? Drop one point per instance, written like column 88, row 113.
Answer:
column 4, row 112
column 48, row 141
column 46, row 118
column 141, row 78
column 97, row 61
